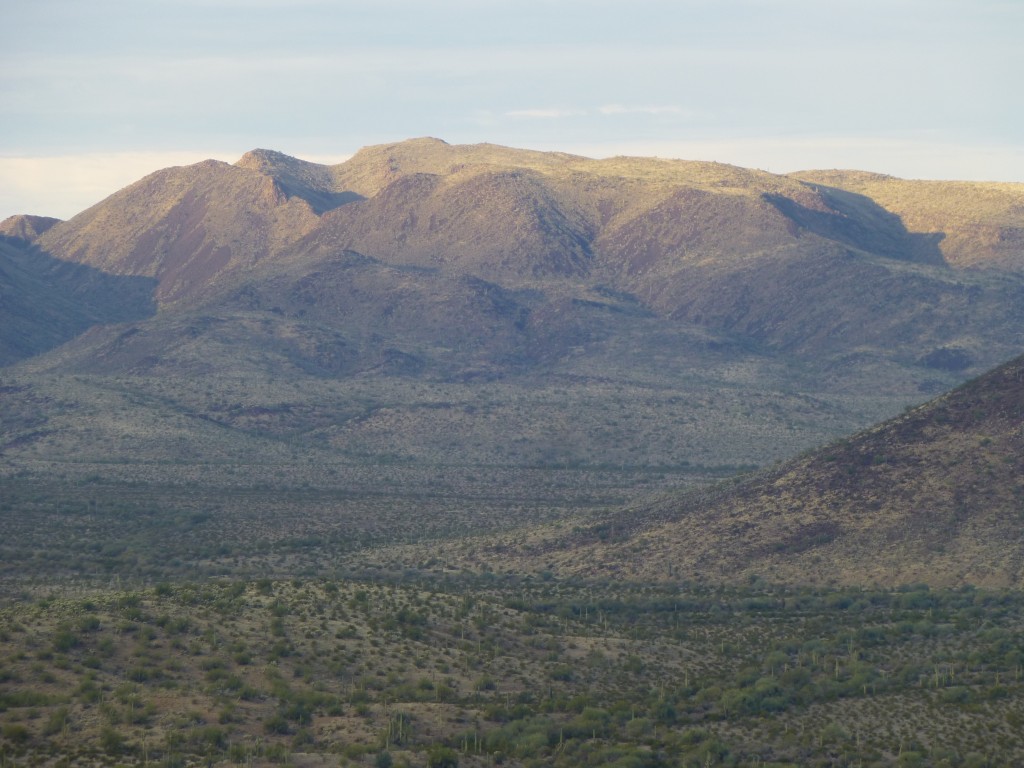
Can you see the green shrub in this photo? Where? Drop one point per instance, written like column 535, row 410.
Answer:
column 442, row 757
column 16, row 733
column 111, row 741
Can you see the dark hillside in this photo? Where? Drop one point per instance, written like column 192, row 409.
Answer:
column 934, row 496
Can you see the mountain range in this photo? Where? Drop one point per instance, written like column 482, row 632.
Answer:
column 499, row 321
column 815, row 263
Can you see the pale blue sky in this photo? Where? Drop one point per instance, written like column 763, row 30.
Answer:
column 95, row 94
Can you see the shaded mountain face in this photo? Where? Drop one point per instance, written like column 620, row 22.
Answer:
column 933, row 496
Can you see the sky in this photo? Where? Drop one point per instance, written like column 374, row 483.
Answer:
column 94, row 95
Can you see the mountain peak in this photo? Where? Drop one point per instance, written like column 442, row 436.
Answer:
column 26, row 227
column 262, row 159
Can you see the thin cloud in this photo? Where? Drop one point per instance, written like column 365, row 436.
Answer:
column 622, row 109
column 545, row 114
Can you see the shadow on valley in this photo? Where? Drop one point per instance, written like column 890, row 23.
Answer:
column 45, row 302
column 860, row 222
column 321, row 201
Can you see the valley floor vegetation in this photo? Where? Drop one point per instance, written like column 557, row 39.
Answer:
column 478, row 670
